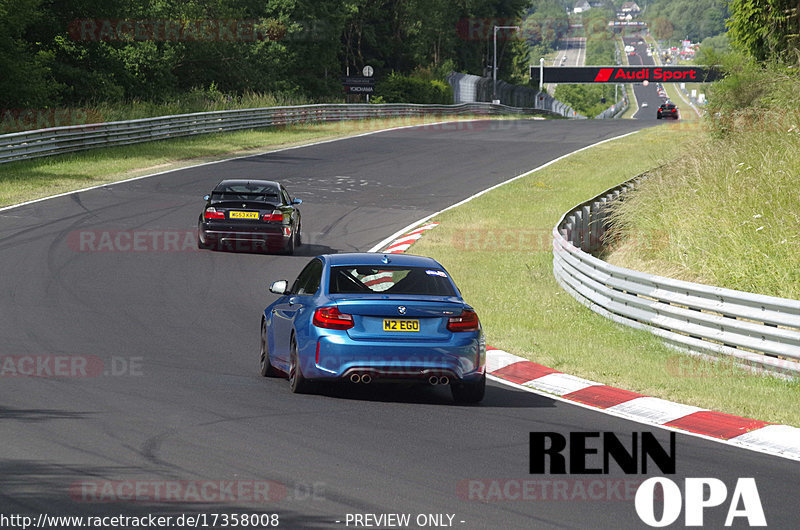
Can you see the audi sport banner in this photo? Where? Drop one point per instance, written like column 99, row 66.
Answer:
column 626, row 74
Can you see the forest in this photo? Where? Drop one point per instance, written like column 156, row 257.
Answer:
column 77, row 52
column 694, row 20
column 69, row 53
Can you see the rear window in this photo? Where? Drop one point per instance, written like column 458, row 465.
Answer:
column 390, row 280
column 246, row 193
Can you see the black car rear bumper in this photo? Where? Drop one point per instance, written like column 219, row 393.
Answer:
column 274, row 238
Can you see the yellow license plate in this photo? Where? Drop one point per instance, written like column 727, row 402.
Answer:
column 242, row 215
column 398, row 324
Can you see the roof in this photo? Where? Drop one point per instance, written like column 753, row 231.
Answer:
column 244, row 182
column 376, row 258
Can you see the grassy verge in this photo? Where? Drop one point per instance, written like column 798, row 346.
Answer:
column 197, row 100
column 740, row 187
column 633, row 106
column 525, row 312
column 32, row 179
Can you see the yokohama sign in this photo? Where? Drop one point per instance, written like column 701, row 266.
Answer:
column 627, row 74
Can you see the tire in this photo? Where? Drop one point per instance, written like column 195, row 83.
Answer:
column 469, row 391
column 200, row 244
column 267, row 370
column 298, row 384
column 289, row 249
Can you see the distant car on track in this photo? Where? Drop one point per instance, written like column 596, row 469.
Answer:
column 250, row 215
column 364, row 318
column 644, row 105
column 667, row 110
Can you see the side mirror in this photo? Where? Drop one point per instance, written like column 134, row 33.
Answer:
column 205, row 197
column 297, row 201
column 279, row 287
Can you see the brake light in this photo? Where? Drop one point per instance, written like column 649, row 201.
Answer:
column 332, row 318
column 466, row 321
column 212, row 213
column 274, row 216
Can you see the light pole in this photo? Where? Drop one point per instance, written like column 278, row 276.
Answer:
column 494, row 64
column 541, row 73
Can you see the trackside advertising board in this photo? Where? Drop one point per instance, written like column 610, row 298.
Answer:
column 626, row 74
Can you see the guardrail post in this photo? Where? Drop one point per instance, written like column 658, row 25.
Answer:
column 586, row 243
column 578, row 229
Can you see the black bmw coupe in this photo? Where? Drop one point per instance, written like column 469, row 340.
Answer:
column 250, row 215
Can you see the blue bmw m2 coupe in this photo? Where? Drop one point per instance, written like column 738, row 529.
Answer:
column 364, row 318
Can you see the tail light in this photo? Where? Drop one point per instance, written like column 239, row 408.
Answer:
column 212, row 213
column 332, row 318
column 466, row 321
column 276, row 215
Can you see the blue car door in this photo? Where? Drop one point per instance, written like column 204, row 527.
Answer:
column 294, row 305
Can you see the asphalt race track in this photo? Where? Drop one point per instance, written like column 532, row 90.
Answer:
column 649, row 93
column 107, row 284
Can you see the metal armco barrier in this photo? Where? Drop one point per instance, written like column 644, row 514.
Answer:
column 472, row 88
column 616, row 110
column 757, row 330
column 59, row 140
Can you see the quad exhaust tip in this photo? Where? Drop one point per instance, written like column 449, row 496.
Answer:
column 434, row 380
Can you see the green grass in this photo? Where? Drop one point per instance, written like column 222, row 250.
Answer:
column 727, row 215
column 633, row 107
column 525, row 312
column 41, row 177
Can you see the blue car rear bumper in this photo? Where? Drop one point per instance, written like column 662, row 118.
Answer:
column 334, row 356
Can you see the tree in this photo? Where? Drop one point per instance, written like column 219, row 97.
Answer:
column 765, row 28
column 25, row 81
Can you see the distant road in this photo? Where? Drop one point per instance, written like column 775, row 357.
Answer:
column 571, row 53
column 644, row 94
